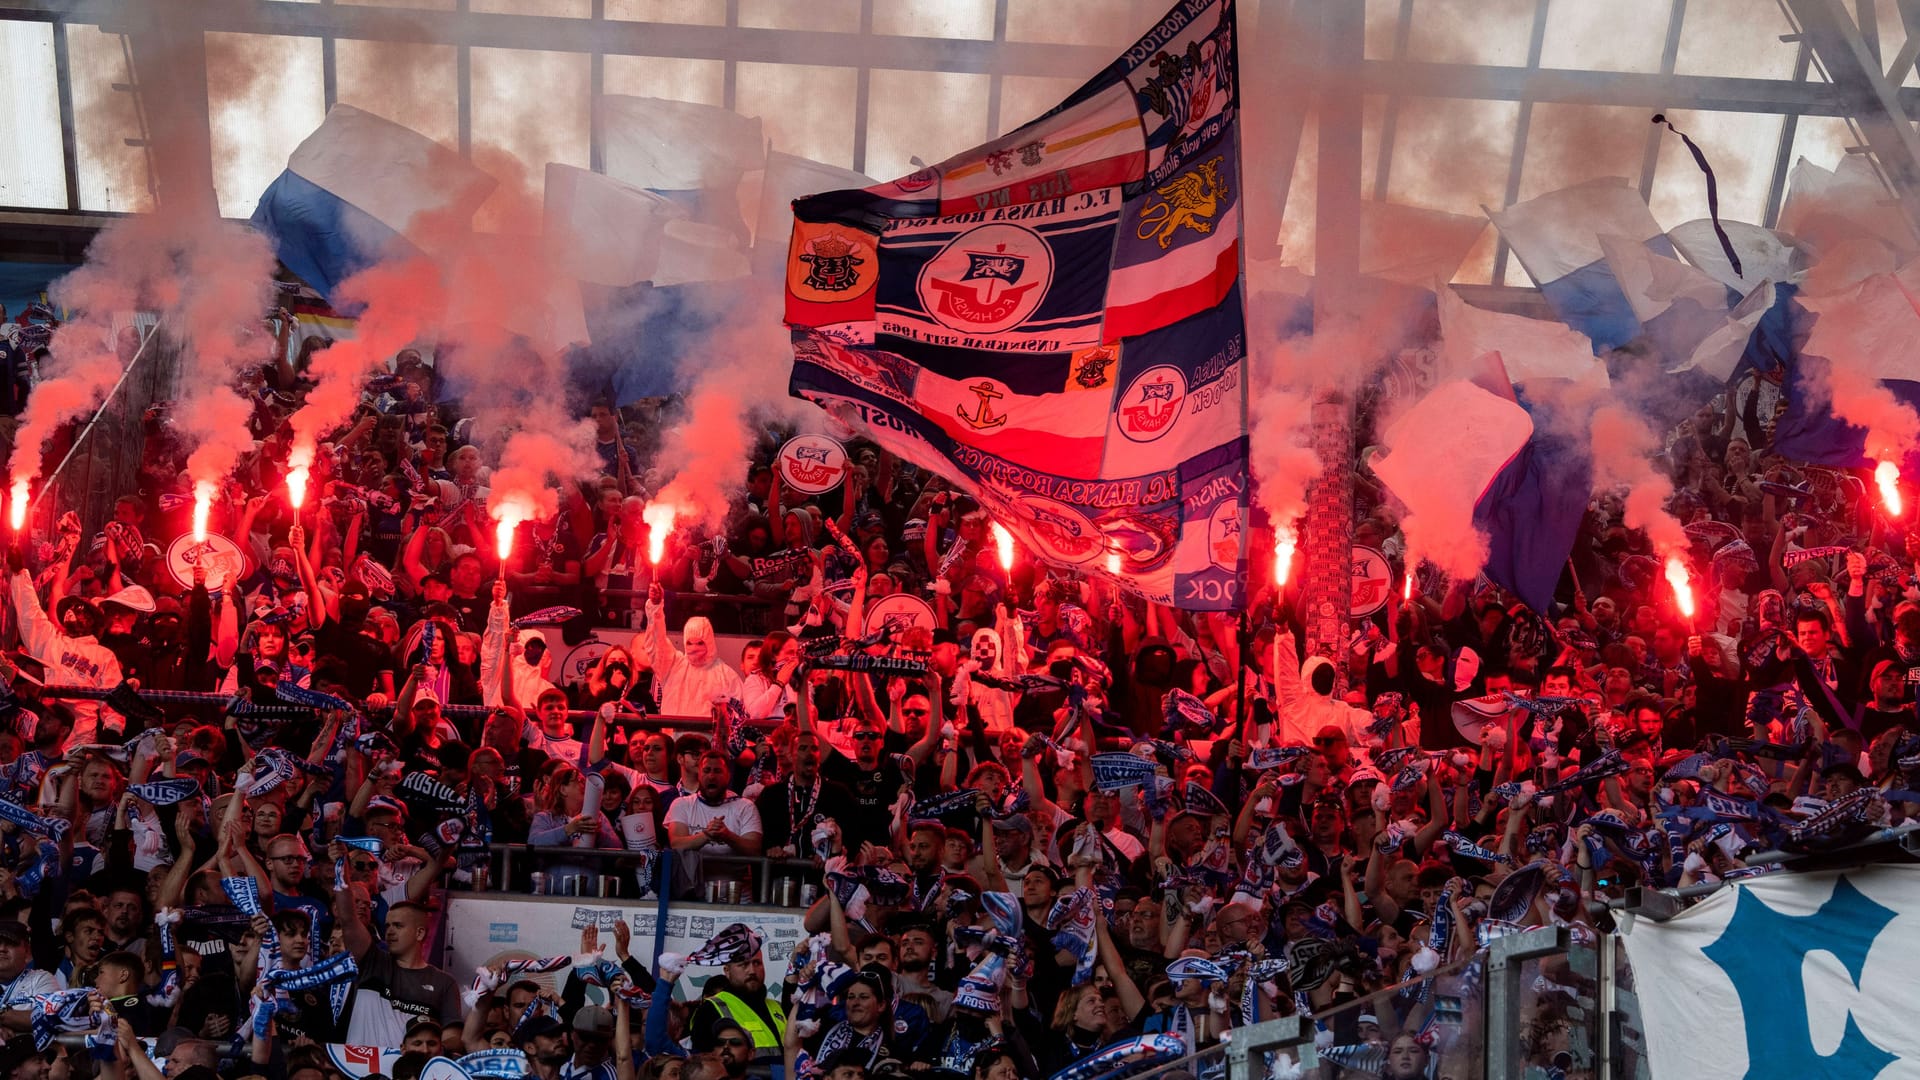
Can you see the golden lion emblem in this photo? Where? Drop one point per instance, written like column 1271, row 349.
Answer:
column 1188, row 202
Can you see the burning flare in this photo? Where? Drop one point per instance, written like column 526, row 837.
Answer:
column 1682, row 583
column 1406, row 587
column 1887, row 475
column 1284, row 544
column 299, row 470
column 1113, row 562
column 507, row 517
column 1003, row 540
column 659, row 518
column 202, row 508
column 17, row 510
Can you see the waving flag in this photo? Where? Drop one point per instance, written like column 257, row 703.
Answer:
column 1053, row 321
column 1556, row 236
column 354, row 188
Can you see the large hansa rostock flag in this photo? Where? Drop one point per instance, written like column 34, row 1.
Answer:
column 1788, row 975
column 1053, row 320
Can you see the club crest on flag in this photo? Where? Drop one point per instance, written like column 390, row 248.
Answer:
column 1186, row 202
column 1151, row 404
column 1093, row 368
column 988, row 279
column 833, row 260
column 1223, row 535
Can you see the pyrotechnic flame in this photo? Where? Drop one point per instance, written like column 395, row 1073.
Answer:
column 1283, row 547
column 1887, row 475
column 659, row 518
column 1682, row 583
column 299, row 470
column 1113, row 562
column 507, row 517
column 1406, row 587
column 202, row 508
column 1003, row 541
column 17, row 510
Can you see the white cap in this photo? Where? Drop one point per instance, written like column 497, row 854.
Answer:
column 133, row 598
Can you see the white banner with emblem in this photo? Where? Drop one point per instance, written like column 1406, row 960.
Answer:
column 485, row 929
column 1788, row 975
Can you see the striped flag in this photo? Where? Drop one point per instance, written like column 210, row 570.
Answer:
column 1053, row 321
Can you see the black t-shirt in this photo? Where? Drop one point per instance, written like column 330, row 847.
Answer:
column 874, row 791
column 778, row 803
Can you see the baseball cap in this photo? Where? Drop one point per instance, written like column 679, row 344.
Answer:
column 15, row 931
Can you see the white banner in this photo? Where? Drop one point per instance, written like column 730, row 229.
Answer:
column 1791, row 975
column 484, row 929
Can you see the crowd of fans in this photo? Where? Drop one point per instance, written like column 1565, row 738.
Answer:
column 1057, row 832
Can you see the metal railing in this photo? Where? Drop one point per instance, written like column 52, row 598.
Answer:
column 517, row 862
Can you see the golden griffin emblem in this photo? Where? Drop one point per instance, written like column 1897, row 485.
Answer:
column 1187, row 201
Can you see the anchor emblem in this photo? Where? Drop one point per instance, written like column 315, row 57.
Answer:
column 984, row 418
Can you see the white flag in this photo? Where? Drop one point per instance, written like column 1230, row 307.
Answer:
column 1790, row 975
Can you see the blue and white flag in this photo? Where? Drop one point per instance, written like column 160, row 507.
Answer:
column 165, row 792
column 1112, row 772
column 1053, row 322
column 354, row 192
column 1803, row 975
column 1556, row 237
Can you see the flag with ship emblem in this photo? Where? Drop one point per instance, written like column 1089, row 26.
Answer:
column 1053, row 320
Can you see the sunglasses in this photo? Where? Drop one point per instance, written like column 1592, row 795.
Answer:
column 1329, row 740
column 914, row 712
column 364, row 865
column 732, row 1040
column 866, row 736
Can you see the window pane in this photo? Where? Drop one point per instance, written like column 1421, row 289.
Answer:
column 1453, row 154
column 703, row 82
column 1086, row 22
column 1614, row 35
column 113, row 176
column 1026, row 98
column 843, row 15
column 562, row 9
column 1735, row 38
column 1740, row 147
column 430, row 5
column 698, row 12
column 529, row 108
column 412, row 85
column 897, row 112
column 1472, row 31
column 264, row 95
column 31, row 169
column 1823, row 140
column 1571, row 144
column 807, row 110
column 935, row 18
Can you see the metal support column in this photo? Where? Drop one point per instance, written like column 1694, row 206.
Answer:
column 1867, row 96
column 1326, row 584
column 170, row 69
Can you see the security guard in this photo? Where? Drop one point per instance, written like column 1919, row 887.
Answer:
column 739, row 994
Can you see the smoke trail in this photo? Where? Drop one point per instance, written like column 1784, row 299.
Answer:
column 227, row 287
column 1622, row 446
column 210, row 283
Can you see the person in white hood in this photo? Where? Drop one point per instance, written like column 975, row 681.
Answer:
column 1307, row 703
column 69, row 649
column 986, row 655
column 684, row 683
column 529, row 675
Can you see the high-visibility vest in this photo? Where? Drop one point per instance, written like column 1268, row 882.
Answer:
column 765, row 1038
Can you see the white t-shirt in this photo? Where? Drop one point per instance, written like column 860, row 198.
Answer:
column 29, row 983
column 692, row 812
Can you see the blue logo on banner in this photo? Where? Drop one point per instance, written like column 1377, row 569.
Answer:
column 1764, row 953
column 503, row 931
